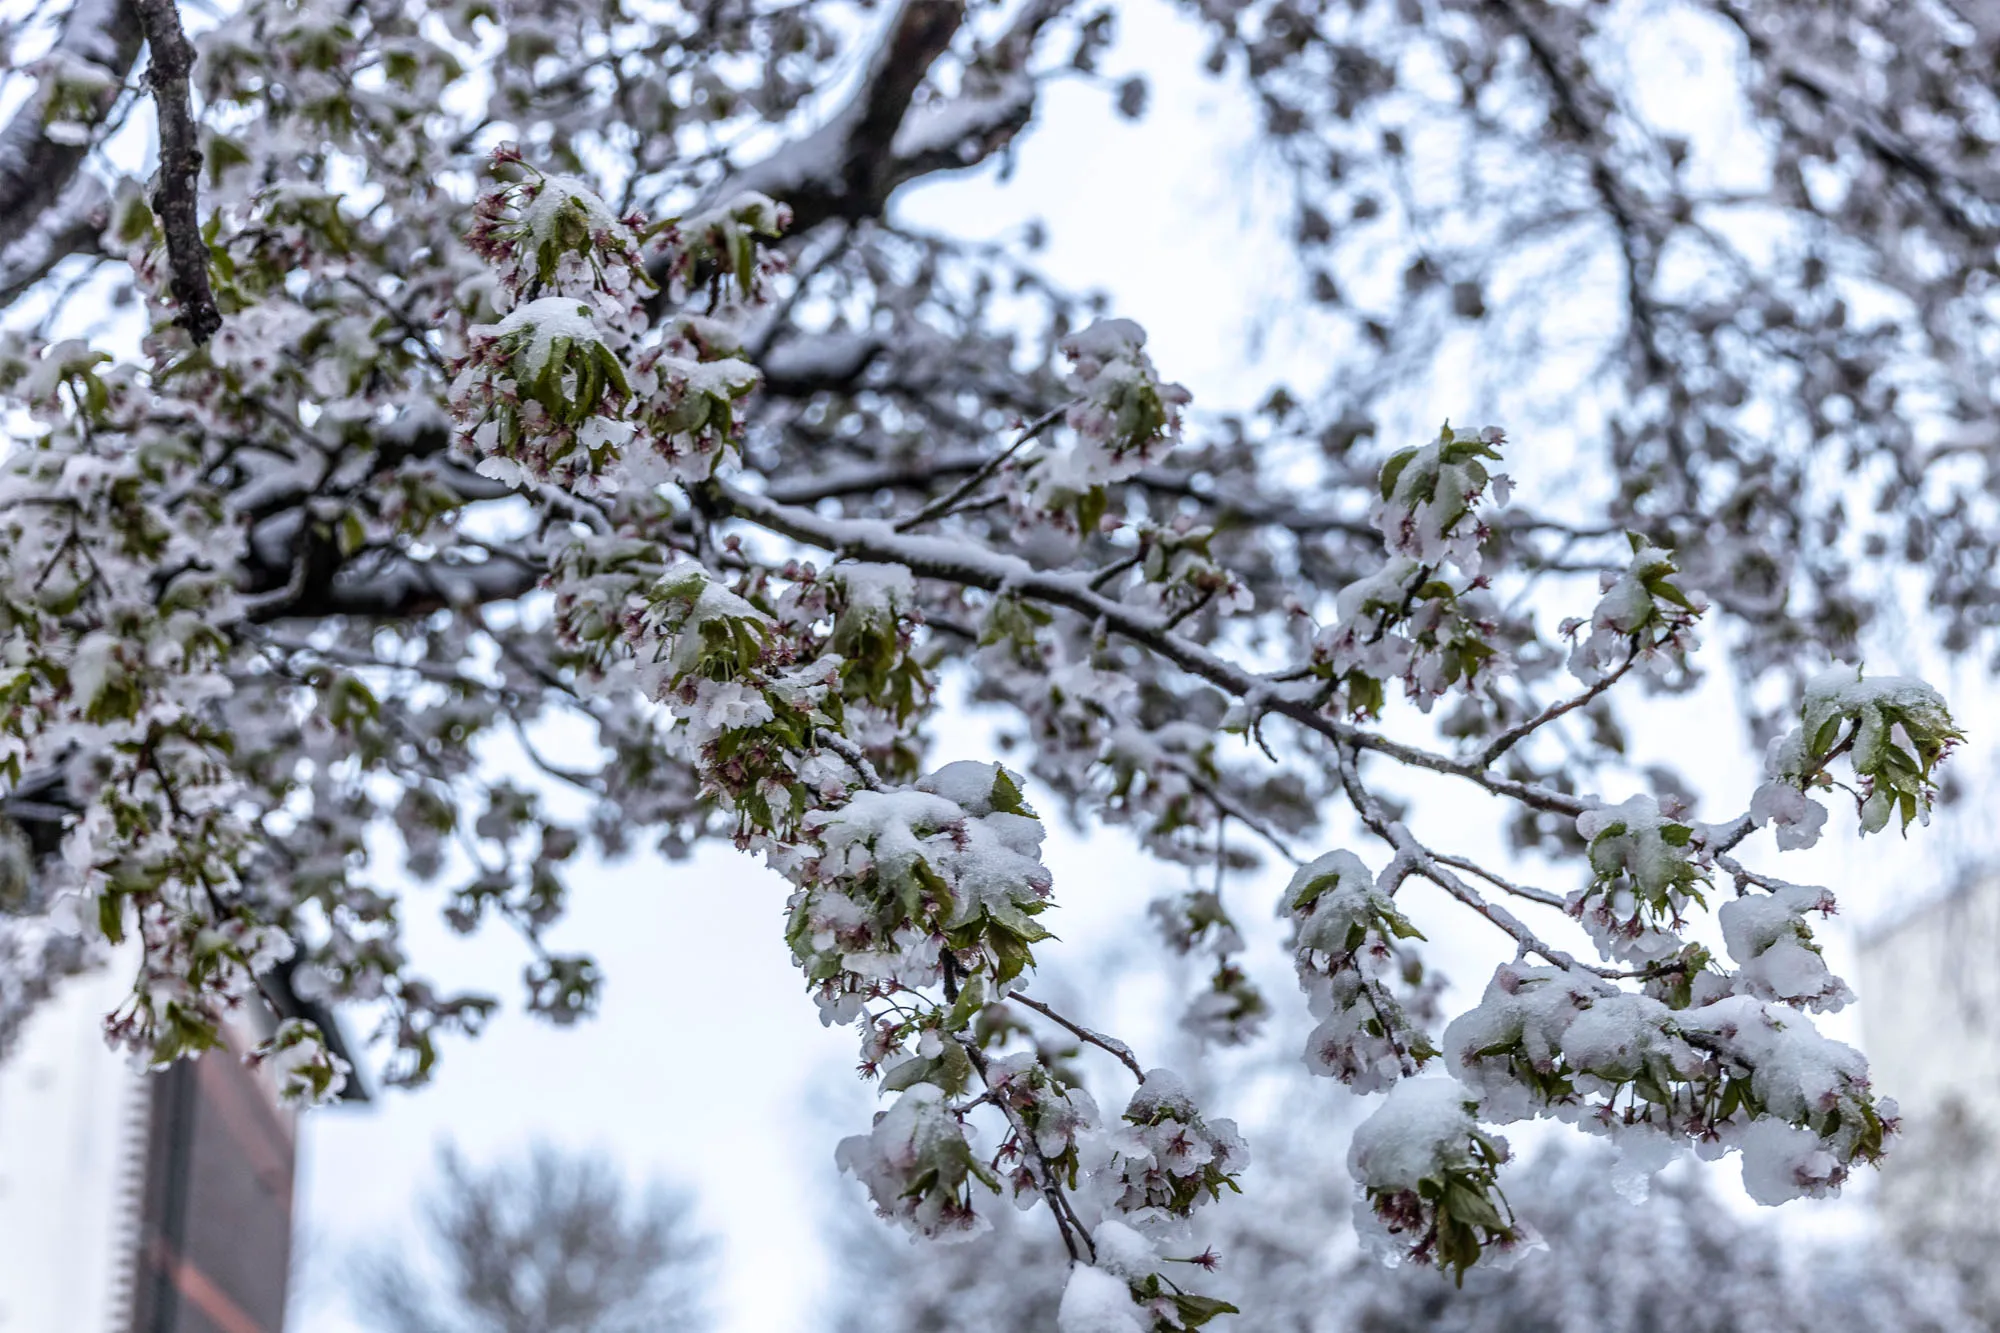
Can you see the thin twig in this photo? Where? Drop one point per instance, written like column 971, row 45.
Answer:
column 945, row 504
column 1511, row 737
column 1097, row 1039
column 1067, row 1222
column 1526, row 891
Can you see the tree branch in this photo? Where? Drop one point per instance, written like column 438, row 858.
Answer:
column 176, row 198
column 959, row 561
column 1419, row 860
column 35, row 170
column 1511, row 737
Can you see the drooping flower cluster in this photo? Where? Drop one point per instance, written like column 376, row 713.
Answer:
column 911, row 885
column 1124, row 417
column 919, row 1166
column 1230, row 1010
column 1407, row 621
column 1726, row 1072
column 1430, row 1177
column 1344, row 929
column 1776, row 955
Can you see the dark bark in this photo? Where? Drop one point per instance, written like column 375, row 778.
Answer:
column 177, row 198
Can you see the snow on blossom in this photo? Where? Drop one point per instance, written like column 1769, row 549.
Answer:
column 1768, row 937
column 1429, row 493
column 1644, row 879
column 918, row 1165
column 1097, row 1301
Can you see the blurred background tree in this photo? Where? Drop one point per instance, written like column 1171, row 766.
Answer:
column 556, row 1242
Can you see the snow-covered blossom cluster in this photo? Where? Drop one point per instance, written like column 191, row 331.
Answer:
column 1345, row 935
column 1406, row 621
column 1123, row 417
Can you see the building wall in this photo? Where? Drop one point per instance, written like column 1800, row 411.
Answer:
column 72, row 1120
column 215, row 1222
column 1931, row 1022
column 137, row 1203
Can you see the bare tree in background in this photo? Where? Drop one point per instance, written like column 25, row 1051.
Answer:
column 554, row 1243
column 1938, row 1201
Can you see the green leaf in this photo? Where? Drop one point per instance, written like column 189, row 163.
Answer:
column 351, row 534
column 908, row 1075
column 1392, row 470
column 1194, row 1311
column 111, row 917
column 1090, row 509
column 953, row 1068
column 1006, row 796
column 1667, row 592
column 971, row 999
column 1011, row 956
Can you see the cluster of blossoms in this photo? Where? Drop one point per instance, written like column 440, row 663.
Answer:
column 1430, row 1177
column 1167, row 1159
column 1729, row 1071
column 563, row 384
column 1344, row 933
column 1644, row 616
column 1644, row 877
column 1123, row 418
column 1406, row 621
column 112, row 662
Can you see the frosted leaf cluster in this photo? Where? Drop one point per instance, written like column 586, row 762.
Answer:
column 1892, row 730
column 1407, row 620
column 1430, row 495
column 1644, row 879
column 1123, row 417
column 1643, row 617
